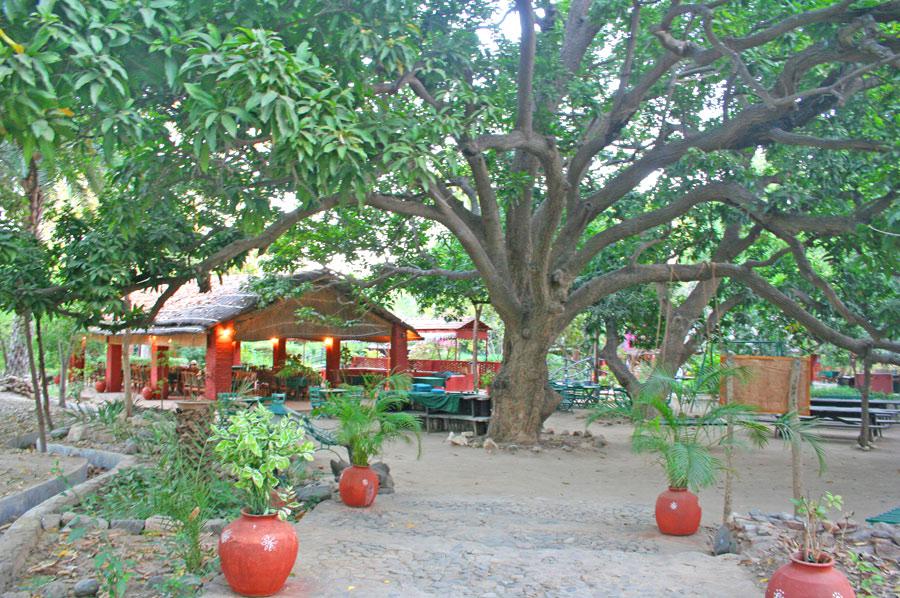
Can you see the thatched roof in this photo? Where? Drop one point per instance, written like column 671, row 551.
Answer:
column 435, row 328
column 188, row 315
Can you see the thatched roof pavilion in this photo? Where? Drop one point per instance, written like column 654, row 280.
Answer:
column 229, row 313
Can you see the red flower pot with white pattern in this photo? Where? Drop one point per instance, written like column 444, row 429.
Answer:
column 358, row 486
column 678, row 512
column 257, row 553
column 802, row 579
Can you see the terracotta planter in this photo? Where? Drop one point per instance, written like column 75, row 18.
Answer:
column 358, row 486
column 56, row 379
column 147, row 393
column 257, row 553
column 678, row 512
column 100, row 386
column 801, row 579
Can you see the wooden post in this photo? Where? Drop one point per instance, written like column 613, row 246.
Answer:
column 126, row 367
column 864, row 431
column 729, row 445
column 475, row 381
column 796, row 456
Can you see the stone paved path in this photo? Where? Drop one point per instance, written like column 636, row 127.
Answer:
column 407, row 546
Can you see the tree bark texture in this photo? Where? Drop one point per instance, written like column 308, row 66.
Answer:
column 796, row 455
column 42, row 372
column 38, row 407
column 521, row 394
column 16, row 350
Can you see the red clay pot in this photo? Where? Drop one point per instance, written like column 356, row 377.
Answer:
column 147, row 393
column 257, row 553
column 358, row 486
column 799, row 579
column 678, row 512
column 56, row 379
column 100, row 386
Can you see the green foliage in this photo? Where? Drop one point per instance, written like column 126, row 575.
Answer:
column 868, row 576
column 365, row 424
column 295, row 368
column 255, row 449
column 813, row 512
column 680, row 422
column 114, row 572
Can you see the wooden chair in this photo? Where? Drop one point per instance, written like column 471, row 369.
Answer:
column 192, row 383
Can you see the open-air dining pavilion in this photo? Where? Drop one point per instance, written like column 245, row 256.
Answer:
column 229, row 314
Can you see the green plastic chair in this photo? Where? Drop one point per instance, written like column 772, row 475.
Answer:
column 276, row 404
column 316, row 399
column 227, row 403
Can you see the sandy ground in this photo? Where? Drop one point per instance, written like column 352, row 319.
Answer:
column 868, row 481
column 22, row 469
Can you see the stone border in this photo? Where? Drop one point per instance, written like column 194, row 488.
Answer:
column 15, row 505
column 23, row 535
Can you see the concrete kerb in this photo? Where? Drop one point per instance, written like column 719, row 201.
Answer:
column 17, row 504
column 23, row 535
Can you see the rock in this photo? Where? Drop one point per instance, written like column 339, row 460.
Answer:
column 883, row 530
column 385, row 481
column 887, row 550
column 159, row 523
column 22, row 594
column 536, row 449
column 191, row 581
column 794, row 525
column 512, row 448
column 55, row 589
column 468, row 434
column 576, row 433
column 860, row 535
column 77, row 433
column 315, row 492
column 549, row 432
column 87, row 523
column 337, row 467
column 723, row 542
column 132, row 526
column 458, row 440
column 215, row 526
column 599, row 441
column 66, row 517
column 22, row 441
column 130, row 447
column 51, row 522
column 476, row 443
column 157, row 581
column 567, row 448
column 490, row 446
column 86, row 587
column 61, row 432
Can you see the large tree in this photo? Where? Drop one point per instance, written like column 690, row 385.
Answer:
column 537, row 151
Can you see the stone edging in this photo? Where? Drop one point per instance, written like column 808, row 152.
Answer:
column 17, row 504
column 23, row 534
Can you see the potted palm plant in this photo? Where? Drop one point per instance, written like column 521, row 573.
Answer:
column 257, row 551
column 676, row 420
column 366, row 420
column 811, row 572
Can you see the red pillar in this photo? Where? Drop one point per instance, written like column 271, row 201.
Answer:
column 333, row 360
column 279, row 352
column 159, row 370
column 399, row 357
column 219, row 359
column 113, row 367
column 237, row 353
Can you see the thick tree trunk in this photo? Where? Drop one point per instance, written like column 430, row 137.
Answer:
column 521, row 394
column 17, row 350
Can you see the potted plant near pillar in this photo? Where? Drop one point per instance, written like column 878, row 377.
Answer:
column 366, row 420
column 257, row 551
column 299, row 376
column 680, row 422
column 811, row 572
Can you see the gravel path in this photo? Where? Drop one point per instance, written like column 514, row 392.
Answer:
column 416, row 546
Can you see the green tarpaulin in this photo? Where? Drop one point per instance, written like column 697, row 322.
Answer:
column 437, row 401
